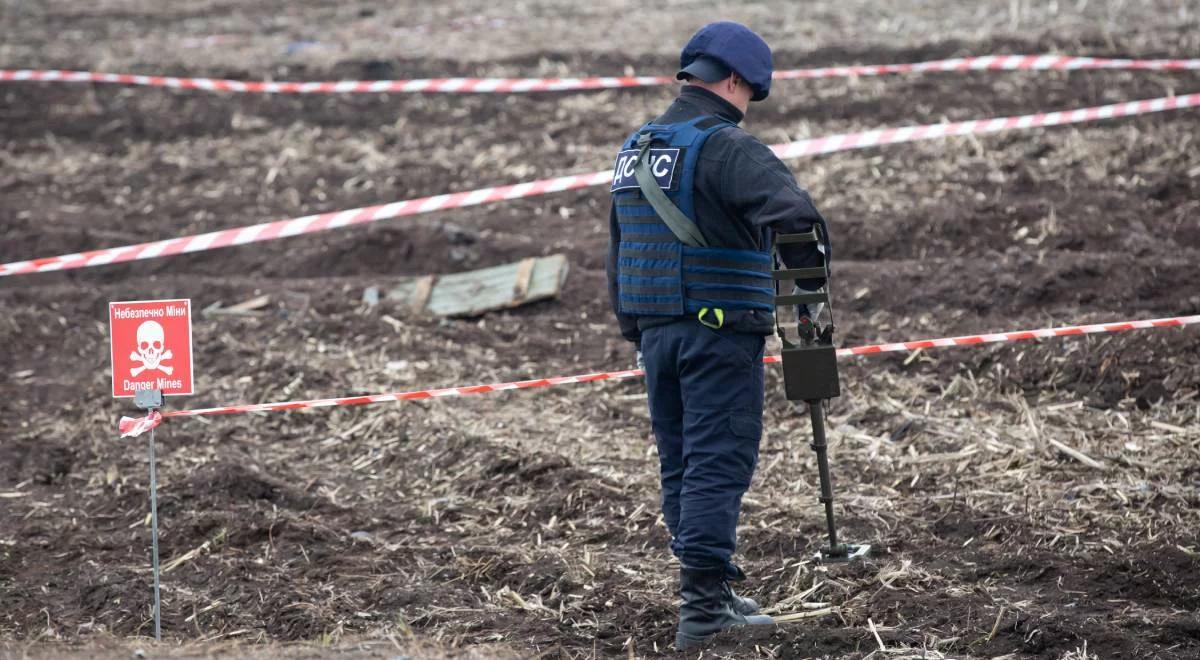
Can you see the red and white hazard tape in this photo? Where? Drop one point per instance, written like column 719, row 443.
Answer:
column 332, row 220
column 132, row 427
column 994, row 63
column 428, row 85
column 882, row 136
column 517, row 85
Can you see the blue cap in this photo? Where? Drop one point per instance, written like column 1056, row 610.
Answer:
column 719, row 48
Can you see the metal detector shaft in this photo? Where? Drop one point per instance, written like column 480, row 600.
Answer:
column 817, row 412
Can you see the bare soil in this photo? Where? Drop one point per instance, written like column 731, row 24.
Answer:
column 525, row 524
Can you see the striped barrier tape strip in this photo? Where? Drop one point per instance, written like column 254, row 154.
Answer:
column 519, row 85
column 129, row 426
column 334, row 219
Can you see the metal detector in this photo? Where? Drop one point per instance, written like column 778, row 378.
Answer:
column 810, row 374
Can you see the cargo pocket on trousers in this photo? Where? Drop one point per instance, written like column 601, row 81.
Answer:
column 746, row 428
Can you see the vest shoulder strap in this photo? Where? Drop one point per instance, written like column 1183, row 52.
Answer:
column 682, row 226
column 685, row 134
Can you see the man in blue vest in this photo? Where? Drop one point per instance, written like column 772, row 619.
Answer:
column 696, row 203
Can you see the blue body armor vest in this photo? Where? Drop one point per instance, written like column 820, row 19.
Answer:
column 657, row 275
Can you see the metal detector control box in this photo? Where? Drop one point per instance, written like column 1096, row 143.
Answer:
column 809, row 364
column 810, row 373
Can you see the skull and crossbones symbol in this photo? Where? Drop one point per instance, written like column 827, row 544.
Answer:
column 150, row 351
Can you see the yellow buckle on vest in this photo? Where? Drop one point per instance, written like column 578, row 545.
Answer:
column 717, row 311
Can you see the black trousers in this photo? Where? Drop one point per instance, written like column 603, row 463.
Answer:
column 705, row 389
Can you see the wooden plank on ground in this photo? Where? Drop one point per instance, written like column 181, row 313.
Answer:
column 480, row 291
column 422, row 290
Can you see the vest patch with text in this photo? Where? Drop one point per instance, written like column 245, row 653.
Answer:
column 662, row 166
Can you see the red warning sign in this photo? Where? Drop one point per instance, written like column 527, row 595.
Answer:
column 151, row 346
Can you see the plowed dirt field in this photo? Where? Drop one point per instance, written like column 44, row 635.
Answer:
column 525, row 524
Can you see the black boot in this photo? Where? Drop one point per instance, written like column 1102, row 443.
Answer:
column 741, row 605
column 708, row 608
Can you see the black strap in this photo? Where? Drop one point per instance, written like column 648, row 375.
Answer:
column 682, row 226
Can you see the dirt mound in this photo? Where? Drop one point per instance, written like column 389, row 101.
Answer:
column 36, row 459
column 226, row 483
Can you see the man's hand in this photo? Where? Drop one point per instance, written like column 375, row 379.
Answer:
column 811, row 310
column 805, row 327
column 641, row 361
column 807, row 316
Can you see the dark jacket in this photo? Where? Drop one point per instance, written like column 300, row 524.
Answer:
column 744, row 195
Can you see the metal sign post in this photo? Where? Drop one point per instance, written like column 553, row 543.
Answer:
column 150, row 344
column 150, row 401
